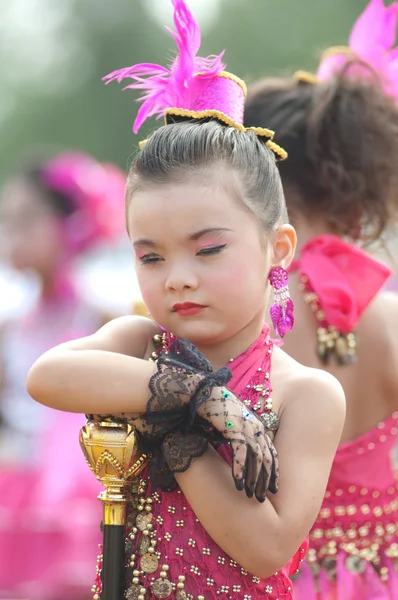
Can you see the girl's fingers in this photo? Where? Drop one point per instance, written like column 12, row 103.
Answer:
column 239, row 462
column 262, row 485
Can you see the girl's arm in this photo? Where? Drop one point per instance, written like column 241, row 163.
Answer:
column 102, row 373
column 264, row 537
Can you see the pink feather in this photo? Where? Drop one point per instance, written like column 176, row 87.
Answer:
column 174, row 86
column 372, row 39
column 374, row 31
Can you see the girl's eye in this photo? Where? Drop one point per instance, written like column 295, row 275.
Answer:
column 149, row 259
column 211, row 250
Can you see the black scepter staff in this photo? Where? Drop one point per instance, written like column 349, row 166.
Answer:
column 112, row 453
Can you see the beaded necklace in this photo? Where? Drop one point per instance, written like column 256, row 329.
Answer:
column 331, row 342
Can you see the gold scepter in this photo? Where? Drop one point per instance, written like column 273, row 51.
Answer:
column 111, row 451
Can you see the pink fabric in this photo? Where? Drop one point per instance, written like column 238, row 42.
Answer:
column 345, row 279
column 360, row 506
column 372, row 39
column 244, row 367
column 185, row 545
column 224, row 95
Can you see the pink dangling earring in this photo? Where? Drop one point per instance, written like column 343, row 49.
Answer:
column 282, row 310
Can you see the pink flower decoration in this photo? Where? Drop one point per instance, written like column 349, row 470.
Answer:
column 371, row 40
column 96, row 193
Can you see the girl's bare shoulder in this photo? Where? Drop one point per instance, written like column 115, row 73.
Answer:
column 298, row 387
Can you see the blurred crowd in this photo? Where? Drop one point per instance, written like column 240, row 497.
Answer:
column 54, row 213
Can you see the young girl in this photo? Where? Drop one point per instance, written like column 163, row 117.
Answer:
column 51, row 214
column 341, row 131
column 207, row 222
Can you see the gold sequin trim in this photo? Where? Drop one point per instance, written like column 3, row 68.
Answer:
column 228, row 75
column 220, row 116
column 306, row 77
column 333, row 50
column 279, row 152
column 203, row 114
column 262, row 132
column 351, row 509
column 355, row 531
column 311, row 78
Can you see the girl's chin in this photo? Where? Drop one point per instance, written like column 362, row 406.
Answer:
column 200, row 333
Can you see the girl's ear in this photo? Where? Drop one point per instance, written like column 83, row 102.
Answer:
column 284, row 246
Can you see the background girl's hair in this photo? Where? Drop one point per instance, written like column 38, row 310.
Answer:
column 342, row 140
column 185, row 149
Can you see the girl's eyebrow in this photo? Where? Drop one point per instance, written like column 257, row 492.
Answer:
column 203, row 232
column 147, row 243
column 144, row 243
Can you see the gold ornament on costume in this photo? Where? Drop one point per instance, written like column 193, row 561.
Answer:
column 331, row 342
column 149, row 563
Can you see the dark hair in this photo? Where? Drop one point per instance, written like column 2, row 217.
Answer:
column 342, row 142
column 190, row 146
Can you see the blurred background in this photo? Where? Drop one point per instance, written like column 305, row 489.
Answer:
column 53, row 55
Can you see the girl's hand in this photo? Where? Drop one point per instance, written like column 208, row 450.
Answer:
column 187, row 396
column 255, row 460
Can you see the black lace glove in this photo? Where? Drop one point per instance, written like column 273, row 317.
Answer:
column 255, row 460
column 174, row 455
column 188, row 397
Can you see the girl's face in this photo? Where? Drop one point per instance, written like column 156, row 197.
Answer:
column 202, row 261
column 31, row 236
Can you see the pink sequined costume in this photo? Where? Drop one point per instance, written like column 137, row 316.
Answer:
column 169, row 551
column 354, row 540
column 355, row 537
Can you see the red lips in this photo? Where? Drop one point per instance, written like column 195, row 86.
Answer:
column 187, row 308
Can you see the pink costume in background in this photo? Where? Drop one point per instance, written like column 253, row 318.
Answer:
column 43, row 475
column 354, row 541
column 182, row 542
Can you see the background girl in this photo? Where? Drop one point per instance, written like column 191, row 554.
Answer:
column 51, row 214
column 340, row 129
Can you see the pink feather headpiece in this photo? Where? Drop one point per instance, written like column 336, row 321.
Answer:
column 371, row 40
column 96, row 194
column 191, row 87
